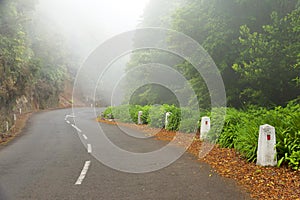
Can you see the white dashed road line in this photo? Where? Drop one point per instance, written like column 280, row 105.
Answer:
column 89, row 148
column 83, row 173
column 84, row 136
column 76, row 128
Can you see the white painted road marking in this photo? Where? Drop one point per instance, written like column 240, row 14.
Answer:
column 84, row 136
column 67, row 116
column 76, row 128
column 83, row 173
column 89, row 148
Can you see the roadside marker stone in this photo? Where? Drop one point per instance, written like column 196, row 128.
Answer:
column 140, row 113
column 7, row 126
column 266, row 151
column 167, row 119
column 205, row 127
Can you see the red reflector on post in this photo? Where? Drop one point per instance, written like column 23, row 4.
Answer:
column 206, row 122
column 268, row 137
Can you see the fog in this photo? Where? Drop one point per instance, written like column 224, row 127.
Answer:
column 86, row 24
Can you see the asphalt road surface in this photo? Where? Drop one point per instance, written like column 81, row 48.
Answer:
column 54, row 160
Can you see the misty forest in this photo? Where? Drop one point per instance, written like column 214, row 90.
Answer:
column 254, row 43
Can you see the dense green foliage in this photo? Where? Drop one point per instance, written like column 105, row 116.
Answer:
column 32, row 63
column 155, row 93
column 241, row 131
column 255, row 45
column 269, row 67
column 184, row 119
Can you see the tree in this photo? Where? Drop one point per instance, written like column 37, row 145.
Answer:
column 31, row 64
column 215, row 24
column 269, row 64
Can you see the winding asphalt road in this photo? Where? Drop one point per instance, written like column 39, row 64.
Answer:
column 54, row 160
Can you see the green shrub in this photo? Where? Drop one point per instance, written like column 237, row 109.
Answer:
column 145, row 115
column 294, row 160
column 174, row 119
column 217, row 116
column 229, row 133
column 122, row 113
column 241, row 130
column 156, row 116
column 108, row 113
column 246, row 140
column 287, row 125
column 189, row 125
column 288, row 148
column 189, row 122
column 134, row 110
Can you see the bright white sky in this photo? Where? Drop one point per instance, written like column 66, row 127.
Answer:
column 90, row 22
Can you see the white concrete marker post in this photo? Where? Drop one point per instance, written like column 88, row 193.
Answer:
column 167, row 119
column 266, row 151
column 205, row 127
column 15, row 117
column 20, row 111
column 7, row 126
column 140, row 113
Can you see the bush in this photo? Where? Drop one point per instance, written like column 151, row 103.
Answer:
column 145, row 115
column 156, row 116
column 229, row 133
column 189, row 125
column 246, row 141
column 288, row 149
column 108, row 113
column 122, row 113
column 134, row 111
column 189, row 122
column 241, row 130
column 174, row 119
column 217, row 116
column 288, row 135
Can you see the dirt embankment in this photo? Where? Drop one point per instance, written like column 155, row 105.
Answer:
column 18, row 117
column 16, row 129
